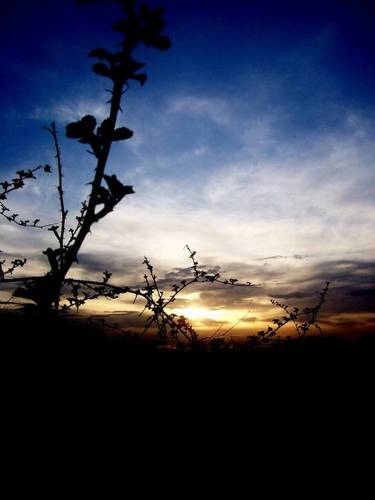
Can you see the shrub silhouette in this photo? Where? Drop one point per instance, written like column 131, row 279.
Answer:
column 55, row 291
column 139, row 25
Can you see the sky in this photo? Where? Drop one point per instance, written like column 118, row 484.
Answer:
column 253, row 144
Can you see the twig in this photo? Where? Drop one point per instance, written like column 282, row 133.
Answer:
column 63, row 212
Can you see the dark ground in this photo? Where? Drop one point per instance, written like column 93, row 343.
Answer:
column 28, row 339
column 74, row 394
column 56, row 375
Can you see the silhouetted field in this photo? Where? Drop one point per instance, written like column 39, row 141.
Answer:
column 68, row 367
column 52, row 338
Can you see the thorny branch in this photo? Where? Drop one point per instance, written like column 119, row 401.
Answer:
column 140, row 25
column 167, row 325
column 303, row 320
column 18, row 182
column 63, row 212
column 13, row 266
column 171, row 327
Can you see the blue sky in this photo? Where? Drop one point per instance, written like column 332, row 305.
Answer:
column 254, row 142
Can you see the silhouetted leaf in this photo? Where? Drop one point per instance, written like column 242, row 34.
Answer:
column 103, row 196
column 152, row 19
column 153, row 25
column 135, row 65
column 88, row 123
column 5, row 185
column 161, row 42
column 127, row 71
column 123, row 26
column 73, row 130
column 101, row 69
column 100, row 54
column 116, row 187
column 122, row 134
column 81, row 129
column 128, row 190
column 105, row 128
column 141, row 78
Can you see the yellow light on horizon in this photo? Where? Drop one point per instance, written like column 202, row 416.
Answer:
column 200, row 313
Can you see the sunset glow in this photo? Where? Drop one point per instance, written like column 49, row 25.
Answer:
column 200, row 313
column 253, row 143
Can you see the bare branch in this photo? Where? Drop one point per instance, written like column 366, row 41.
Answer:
column 63, row 213
column 18, row 182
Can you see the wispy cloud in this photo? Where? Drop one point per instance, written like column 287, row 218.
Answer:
column 213, row 108
column 304, row 200
column 65, row 112
column 285, row 214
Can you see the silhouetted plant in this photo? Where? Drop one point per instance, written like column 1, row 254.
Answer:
column 303, row 320
column 168, row 326
column 139, row 25
column 176, row 329
column 18, row 182
column 14, row 264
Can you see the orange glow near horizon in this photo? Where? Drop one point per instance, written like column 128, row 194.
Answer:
column 200, row 313
column 211, row 320
column 238, row 322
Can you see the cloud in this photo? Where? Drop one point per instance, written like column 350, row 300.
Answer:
column 362, row 292
column 70, row 111
column 296, row 256
column 215, row 109
column 301, row 203
column 288, row 214
column 125, row 270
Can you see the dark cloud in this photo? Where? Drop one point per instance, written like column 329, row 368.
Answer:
column 125, row 271
column 125, row 319
column 95, row 263
column 7, row 287
column 296, row 257
column 184, row 273
column 353, row 272
column 340, row 323
column 362, row 292
column 212, row 322
column 250, row 319
column 351, row 292
column 223, row 297
column 272, row 257
column 291, row 295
